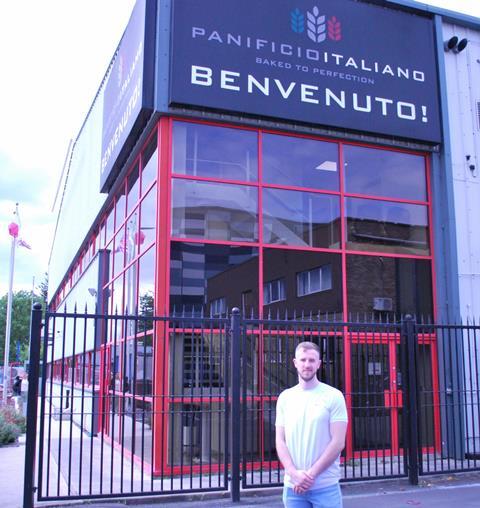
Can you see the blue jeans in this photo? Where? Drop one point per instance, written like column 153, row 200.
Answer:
column 329, row 497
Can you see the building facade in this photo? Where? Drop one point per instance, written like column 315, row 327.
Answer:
column 282, row 157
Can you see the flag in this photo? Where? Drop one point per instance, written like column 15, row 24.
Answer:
column 23, row 243
column 13, row 229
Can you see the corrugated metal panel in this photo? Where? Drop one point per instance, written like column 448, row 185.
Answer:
column 463, row 85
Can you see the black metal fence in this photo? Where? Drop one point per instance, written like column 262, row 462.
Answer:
column 137, row 405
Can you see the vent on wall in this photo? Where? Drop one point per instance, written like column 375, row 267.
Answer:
column 382, row 304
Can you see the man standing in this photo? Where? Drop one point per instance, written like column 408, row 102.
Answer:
column 311, row 425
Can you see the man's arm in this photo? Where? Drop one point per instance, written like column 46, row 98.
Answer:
column 338, row 431
column 302, row 479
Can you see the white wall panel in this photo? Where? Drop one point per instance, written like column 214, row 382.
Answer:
column 463, row 92
column 82, row 199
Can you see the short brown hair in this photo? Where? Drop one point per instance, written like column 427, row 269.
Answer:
column 308, row 346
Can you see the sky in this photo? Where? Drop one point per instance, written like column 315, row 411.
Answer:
column 53, row 56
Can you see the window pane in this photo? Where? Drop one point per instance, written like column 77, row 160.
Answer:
column 273, row 291
column 326, row 277
column 117, row 301
column 150, row 164
column 301, row 218
column 202, row 274
column 217, row 152
column 148, row 222
column 391, row 227
column 130, row 302
column 146, row 289
column 131, row 245
column 120, row 207
column 214, row 211
column 386, row 287
column 384, row 173
column 133, row 186
column 119, row 251
column 302, row 283
column 315, row 284
column 293, row 267
column 300, row 162
column 109, row 226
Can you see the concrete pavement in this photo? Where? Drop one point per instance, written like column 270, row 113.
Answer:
column 445, row 491
column 12, row 461
column 442, row 491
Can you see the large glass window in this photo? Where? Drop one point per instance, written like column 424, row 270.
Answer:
column 201, row 275
column 214, row 211
column 384, row 226
column 312, row 281
column 384, row 173
column 386, row 287
column 214, row 152
column 301, row 218
column 300, row 162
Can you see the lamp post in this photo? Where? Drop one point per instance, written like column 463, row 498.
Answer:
column 13, row 231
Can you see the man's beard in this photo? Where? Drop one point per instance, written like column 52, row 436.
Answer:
column 308, row 376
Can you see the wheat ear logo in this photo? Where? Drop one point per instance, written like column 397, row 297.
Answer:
column 316, row 26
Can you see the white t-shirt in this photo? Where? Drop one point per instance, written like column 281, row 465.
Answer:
column 306, row 416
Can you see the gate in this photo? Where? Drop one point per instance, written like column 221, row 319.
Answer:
column 128, row 406
column 143, row 405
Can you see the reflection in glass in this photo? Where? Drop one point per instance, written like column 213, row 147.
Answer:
column 371, row 418
column 120, row 202
column 150, row 164
column 131, row 284
column 133, row 188
column 146, row 289
column 131, row 244
column 387, row 288
column 279, row 350
column 289, row 265
column 202, row 274
column 109, row 226
column 301, row 218
column 135, row 434
column 299, row 162
column 216, row 152
column 119, row 247
column 273, row 291
column 383, row 226
column 314, row 280
column 148, row 209
column 384, row 173
column 213, row 210
column 117, row 299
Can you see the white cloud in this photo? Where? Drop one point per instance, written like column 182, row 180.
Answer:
column 54, row 54
column 470, row 7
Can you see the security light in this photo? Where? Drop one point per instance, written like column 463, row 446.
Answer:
column 461, row 46
column 451, row 43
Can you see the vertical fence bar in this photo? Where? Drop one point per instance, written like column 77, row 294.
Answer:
column 409, row 333
column 235, row 414
column 31, row 435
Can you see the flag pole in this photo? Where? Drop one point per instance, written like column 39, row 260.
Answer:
column 6, row 370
